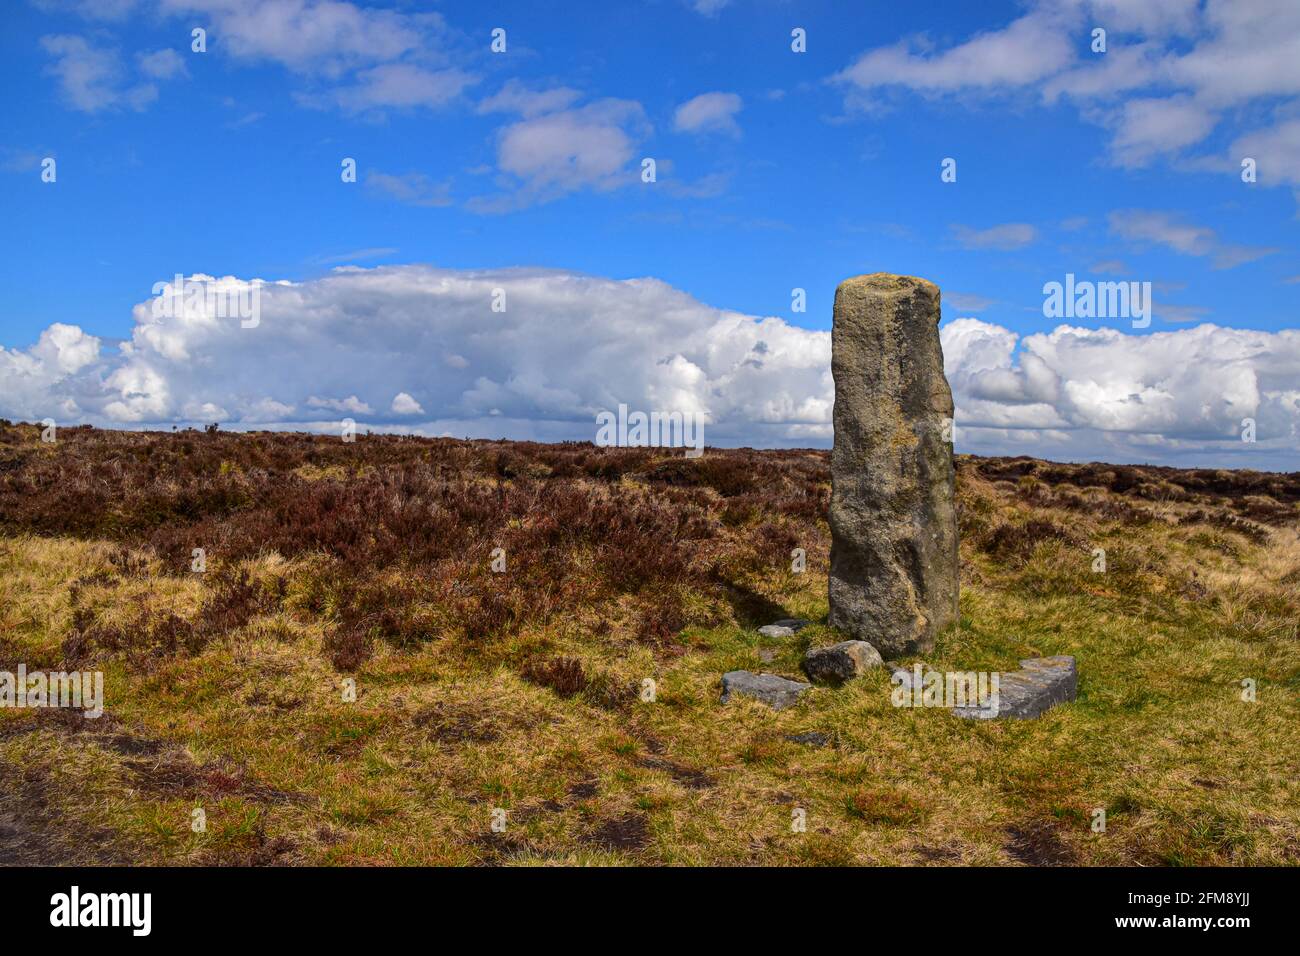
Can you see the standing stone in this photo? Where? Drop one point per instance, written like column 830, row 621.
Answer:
column 894, row 566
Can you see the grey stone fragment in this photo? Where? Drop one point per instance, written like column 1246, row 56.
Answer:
column 1040, row 684
column 813, row 738
column 777, row 692
column 840, row 662
column 894, row 567
column 903, row 676
column 783, row 628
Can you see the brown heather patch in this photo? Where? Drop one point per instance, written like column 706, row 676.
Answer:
column 564, row 675
column 579, row 525
column 146, row 634
column 885, row 806
column 628, row 833
column 1270, row 497
column 1017, row 541
column 1038, row 843
column 348, row 647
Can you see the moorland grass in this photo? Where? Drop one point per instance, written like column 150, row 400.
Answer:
column 475, row 691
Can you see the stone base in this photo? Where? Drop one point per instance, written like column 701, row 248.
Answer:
column 787, row 627
column 777, row 692
column 1040, row 684
column 840, row 662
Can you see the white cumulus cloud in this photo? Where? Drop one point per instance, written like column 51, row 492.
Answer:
column 1167, row 396
column 420, row 349
column 404, row 404
column 551, row 154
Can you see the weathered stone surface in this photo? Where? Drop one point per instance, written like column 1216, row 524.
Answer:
column 840, row 662
column 783, row 628
column 1041, row 683
column 905, row 677
column 777, row 692
column 894, row 568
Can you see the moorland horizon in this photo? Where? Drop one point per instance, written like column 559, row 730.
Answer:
column 332, row 429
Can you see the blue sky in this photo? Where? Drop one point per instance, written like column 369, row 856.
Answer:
column 794, row 170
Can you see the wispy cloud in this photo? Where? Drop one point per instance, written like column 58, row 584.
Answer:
column 1149, row 226
column 356, row 255
column 709, row 113
column 967, row 302
column 1188, row 67
column 415, row 189
column 1006, row 237
column 322, row 38
column 398, row 86
column 248, row 119
column 1180, row 313
column 709, row 8
column 515, row 97
column 92, row 78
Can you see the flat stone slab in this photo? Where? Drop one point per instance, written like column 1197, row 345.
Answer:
column 840, row 662
column 783, row 628
column 777, row 692
column 1040, row 684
